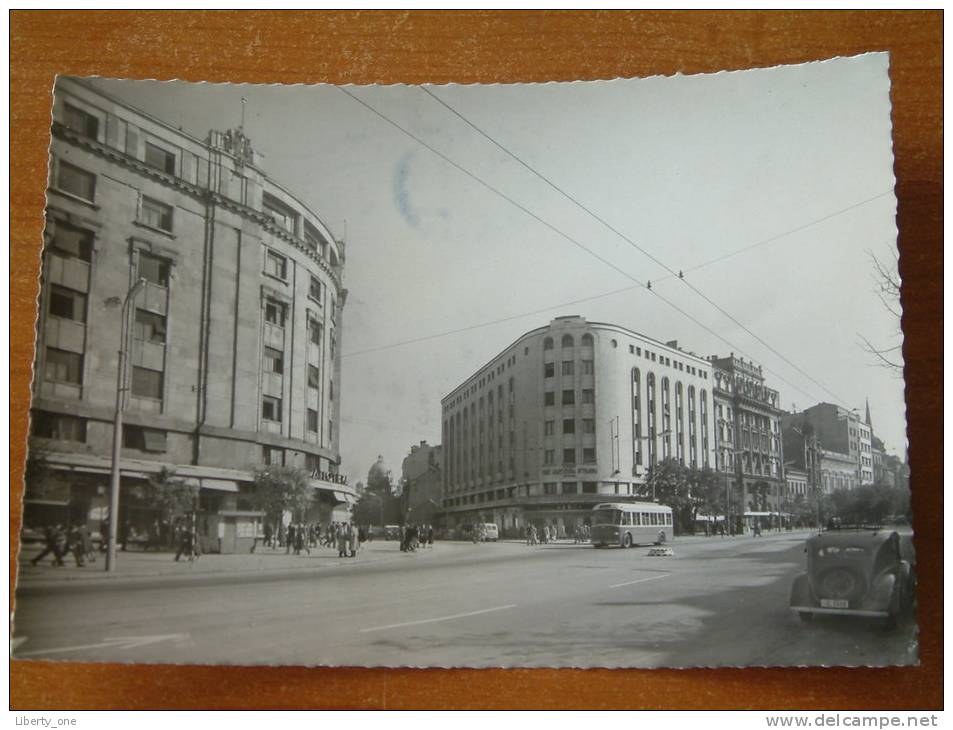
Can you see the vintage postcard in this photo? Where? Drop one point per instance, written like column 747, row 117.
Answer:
column 593, row 374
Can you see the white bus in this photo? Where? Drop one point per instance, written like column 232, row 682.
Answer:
column 631, row 523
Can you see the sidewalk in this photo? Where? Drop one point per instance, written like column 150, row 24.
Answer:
column 136, row 565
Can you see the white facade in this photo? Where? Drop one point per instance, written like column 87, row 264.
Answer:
column 567, row 415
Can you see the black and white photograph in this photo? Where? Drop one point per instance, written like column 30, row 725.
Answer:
column 583, row 374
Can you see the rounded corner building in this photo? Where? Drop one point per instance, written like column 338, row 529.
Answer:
column 233, row 291
column 570, row 415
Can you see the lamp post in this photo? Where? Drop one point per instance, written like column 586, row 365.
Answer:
column 114, row 476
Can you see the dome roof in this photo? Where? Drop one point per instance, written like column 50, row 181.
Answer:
column 378, row 470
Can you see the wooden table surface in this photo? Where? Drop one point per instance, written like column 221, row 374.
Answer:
column 483, row 47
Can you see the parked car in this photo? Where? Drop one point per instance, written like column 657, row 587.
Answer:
column 392, row 532
column 852, row 573
column 490, row 532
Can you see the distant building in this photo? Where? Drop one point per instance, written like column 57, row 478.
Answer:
column 569, row 415
column 840, row 431
column 233, row 357
column 747, row 426
column 422, row 484
column 797, row 482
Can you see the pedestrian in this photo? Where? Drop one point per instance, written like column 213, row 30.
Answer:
column 49, row 545
column 533, row 537
column 430, row 537
column 289, row 543
column 354, row 540
column 268, row 534
column 342, row 540
column 75, row 542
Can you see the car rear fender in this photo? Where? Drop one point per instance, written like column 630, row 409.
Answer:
column 884, row 596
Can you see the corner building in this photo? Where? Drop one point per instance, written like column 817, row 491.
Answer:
column 234, row 345
column 570, row 415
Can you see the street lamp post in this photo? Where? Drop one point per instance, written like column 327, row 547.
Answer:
column 114, row 477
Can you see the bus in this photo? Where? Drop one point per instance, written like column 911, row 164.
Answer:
column 630, row 523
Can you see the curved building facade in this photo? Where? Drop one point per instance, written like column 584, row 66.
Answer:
column 570, row 415
column 234, row 343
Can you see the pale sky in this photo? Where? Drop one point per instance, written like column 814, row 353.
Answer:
column 690, row 168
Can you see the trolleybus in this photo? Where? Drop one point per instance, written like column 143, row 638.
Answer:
column 630, row 523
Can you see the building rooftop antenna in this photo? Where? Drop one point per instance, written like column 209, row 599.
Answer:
column 242, row 125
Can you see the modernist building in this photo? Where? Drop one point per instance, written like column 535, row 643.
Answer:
column 235, row 331
column 569, row 415
column 422, row 484
column 748, row 434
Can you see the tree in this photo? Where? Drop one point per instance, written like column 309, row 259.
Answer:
column 170, row 494
column 369, row 509
column 708, row 491
column 886, row 276
column 668, row 481
column 280, row 489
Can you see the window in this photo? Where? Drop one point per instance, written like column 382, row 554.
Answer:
column 549, row 457
column 312, row 420
column 276, row 265
column 67, row 304
column 587, row 367
column 588, row 456
column 57, row 426
column 279, row 212
column 614, row 344
column 144, row 439
column 274, row 313
column 314, row 239
column 314, row 377
column 72, row 242
column 567, row 367
column 315, row 331
column 549, row 398
column 155, row 214
column 153, row 269
column 569, row 488
column 631, row 349
column 314, row 289
column 569, row 456
column 63, row 366
column 589, row 488
column 147, row 383
column 72, row 180
column 274, row 360
column 312, row 462
column 588, row 396
column 159, row 158
column 569, row 425
column 569, row 397
column 80, row 121
column 271, row 408
column 273, row 456
column 549, row 488
column 549, row 428
column 587, row 340
column 149, row 326
column 588, row 425
column 549, row 369
column 548, row 343
column 567, row 341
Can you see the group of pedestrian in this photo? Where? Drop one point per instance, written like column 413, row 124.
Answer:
column 59, row 542
column 413, row 536
column 186, row 539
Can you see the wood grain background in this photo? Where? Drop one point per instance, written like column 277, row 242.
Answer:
column 472, row 47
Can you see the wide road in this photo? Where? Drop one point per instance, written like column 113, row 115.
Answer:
column 715, row 603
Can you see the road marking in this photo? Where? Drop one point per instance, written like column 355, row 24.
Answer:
column 440, row 618
column 640, row 580
column 119, row 642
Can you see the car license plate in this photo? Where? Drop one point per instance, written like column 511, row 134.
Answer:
column 833, row 603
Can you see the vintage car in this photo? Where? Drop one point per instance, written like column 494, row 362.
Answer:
column 854, row 573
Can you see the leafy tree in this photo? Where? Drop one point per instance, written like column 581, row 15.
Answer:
column 708, row 490
column 280, row 489
column 668, row 481
column 170, row 494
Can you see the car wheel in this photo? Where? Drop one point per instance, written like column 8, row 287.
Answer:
column 805, row 616
column 627, row 542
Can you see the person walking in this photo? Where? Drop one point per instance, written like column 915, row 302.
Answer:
column 354, row 542
column 49, row 545
column 289, row 543
column 75, row 541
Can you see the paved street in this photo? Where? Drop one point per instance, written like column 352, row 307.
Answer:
column 717, row 602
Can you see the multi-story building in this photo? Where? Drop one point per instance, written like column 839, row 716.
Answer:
column 841, row 430
column 748, row 433
column 838, row 471
column 569, row 415
column 235, row 294
column 422, row 484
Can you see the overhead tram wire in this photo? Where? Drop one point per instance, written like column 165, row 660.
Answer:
column 560, row 233
column 648, row 254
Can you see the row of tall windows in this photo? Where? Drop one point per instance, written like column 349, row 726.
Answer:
column 646, row 433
